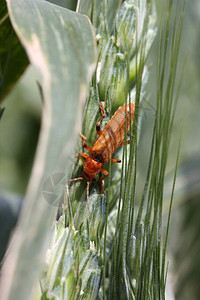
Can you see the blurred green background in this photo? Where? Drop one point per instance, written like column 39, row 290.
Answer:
column 19, row 129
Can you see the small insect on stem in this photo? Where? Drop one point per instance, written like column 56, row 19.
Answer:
column 109, row 139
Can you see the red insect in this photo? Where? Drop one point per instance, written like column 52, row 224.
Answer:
column 108, row 141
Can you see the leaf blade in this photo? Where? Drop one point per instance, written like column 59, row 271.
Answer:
column 61, row 44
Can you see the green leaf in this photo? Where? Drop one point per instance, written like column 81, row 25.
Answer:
column 13, row 59
column 60, row 43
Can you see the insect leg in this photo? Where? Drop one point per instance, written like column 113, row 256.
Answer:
column 75, row 179
column 98, row 129
column 101, row 180
column 116, row 160
column 127, row 143
column 102, row 109
column 84, row 139
column 84, row 155
column 88, row 184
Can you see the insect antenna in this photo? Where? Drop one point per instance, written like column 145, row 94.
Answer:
column 146, row 106
column 88, row 185
column 88, row 204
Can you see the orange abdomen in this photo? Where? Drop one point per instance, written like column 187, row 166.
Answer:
column 113, row 134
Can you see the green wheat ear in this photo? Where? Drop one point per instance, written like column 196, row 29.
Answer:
column 119, row 253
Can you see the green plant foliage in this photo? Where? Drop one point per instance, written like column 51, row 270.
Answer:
column 94, row 8
column 13, row 59
column 112, row 246
column 126, row 237
column 63, row 275
column 61, row 44
column 128, row 46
